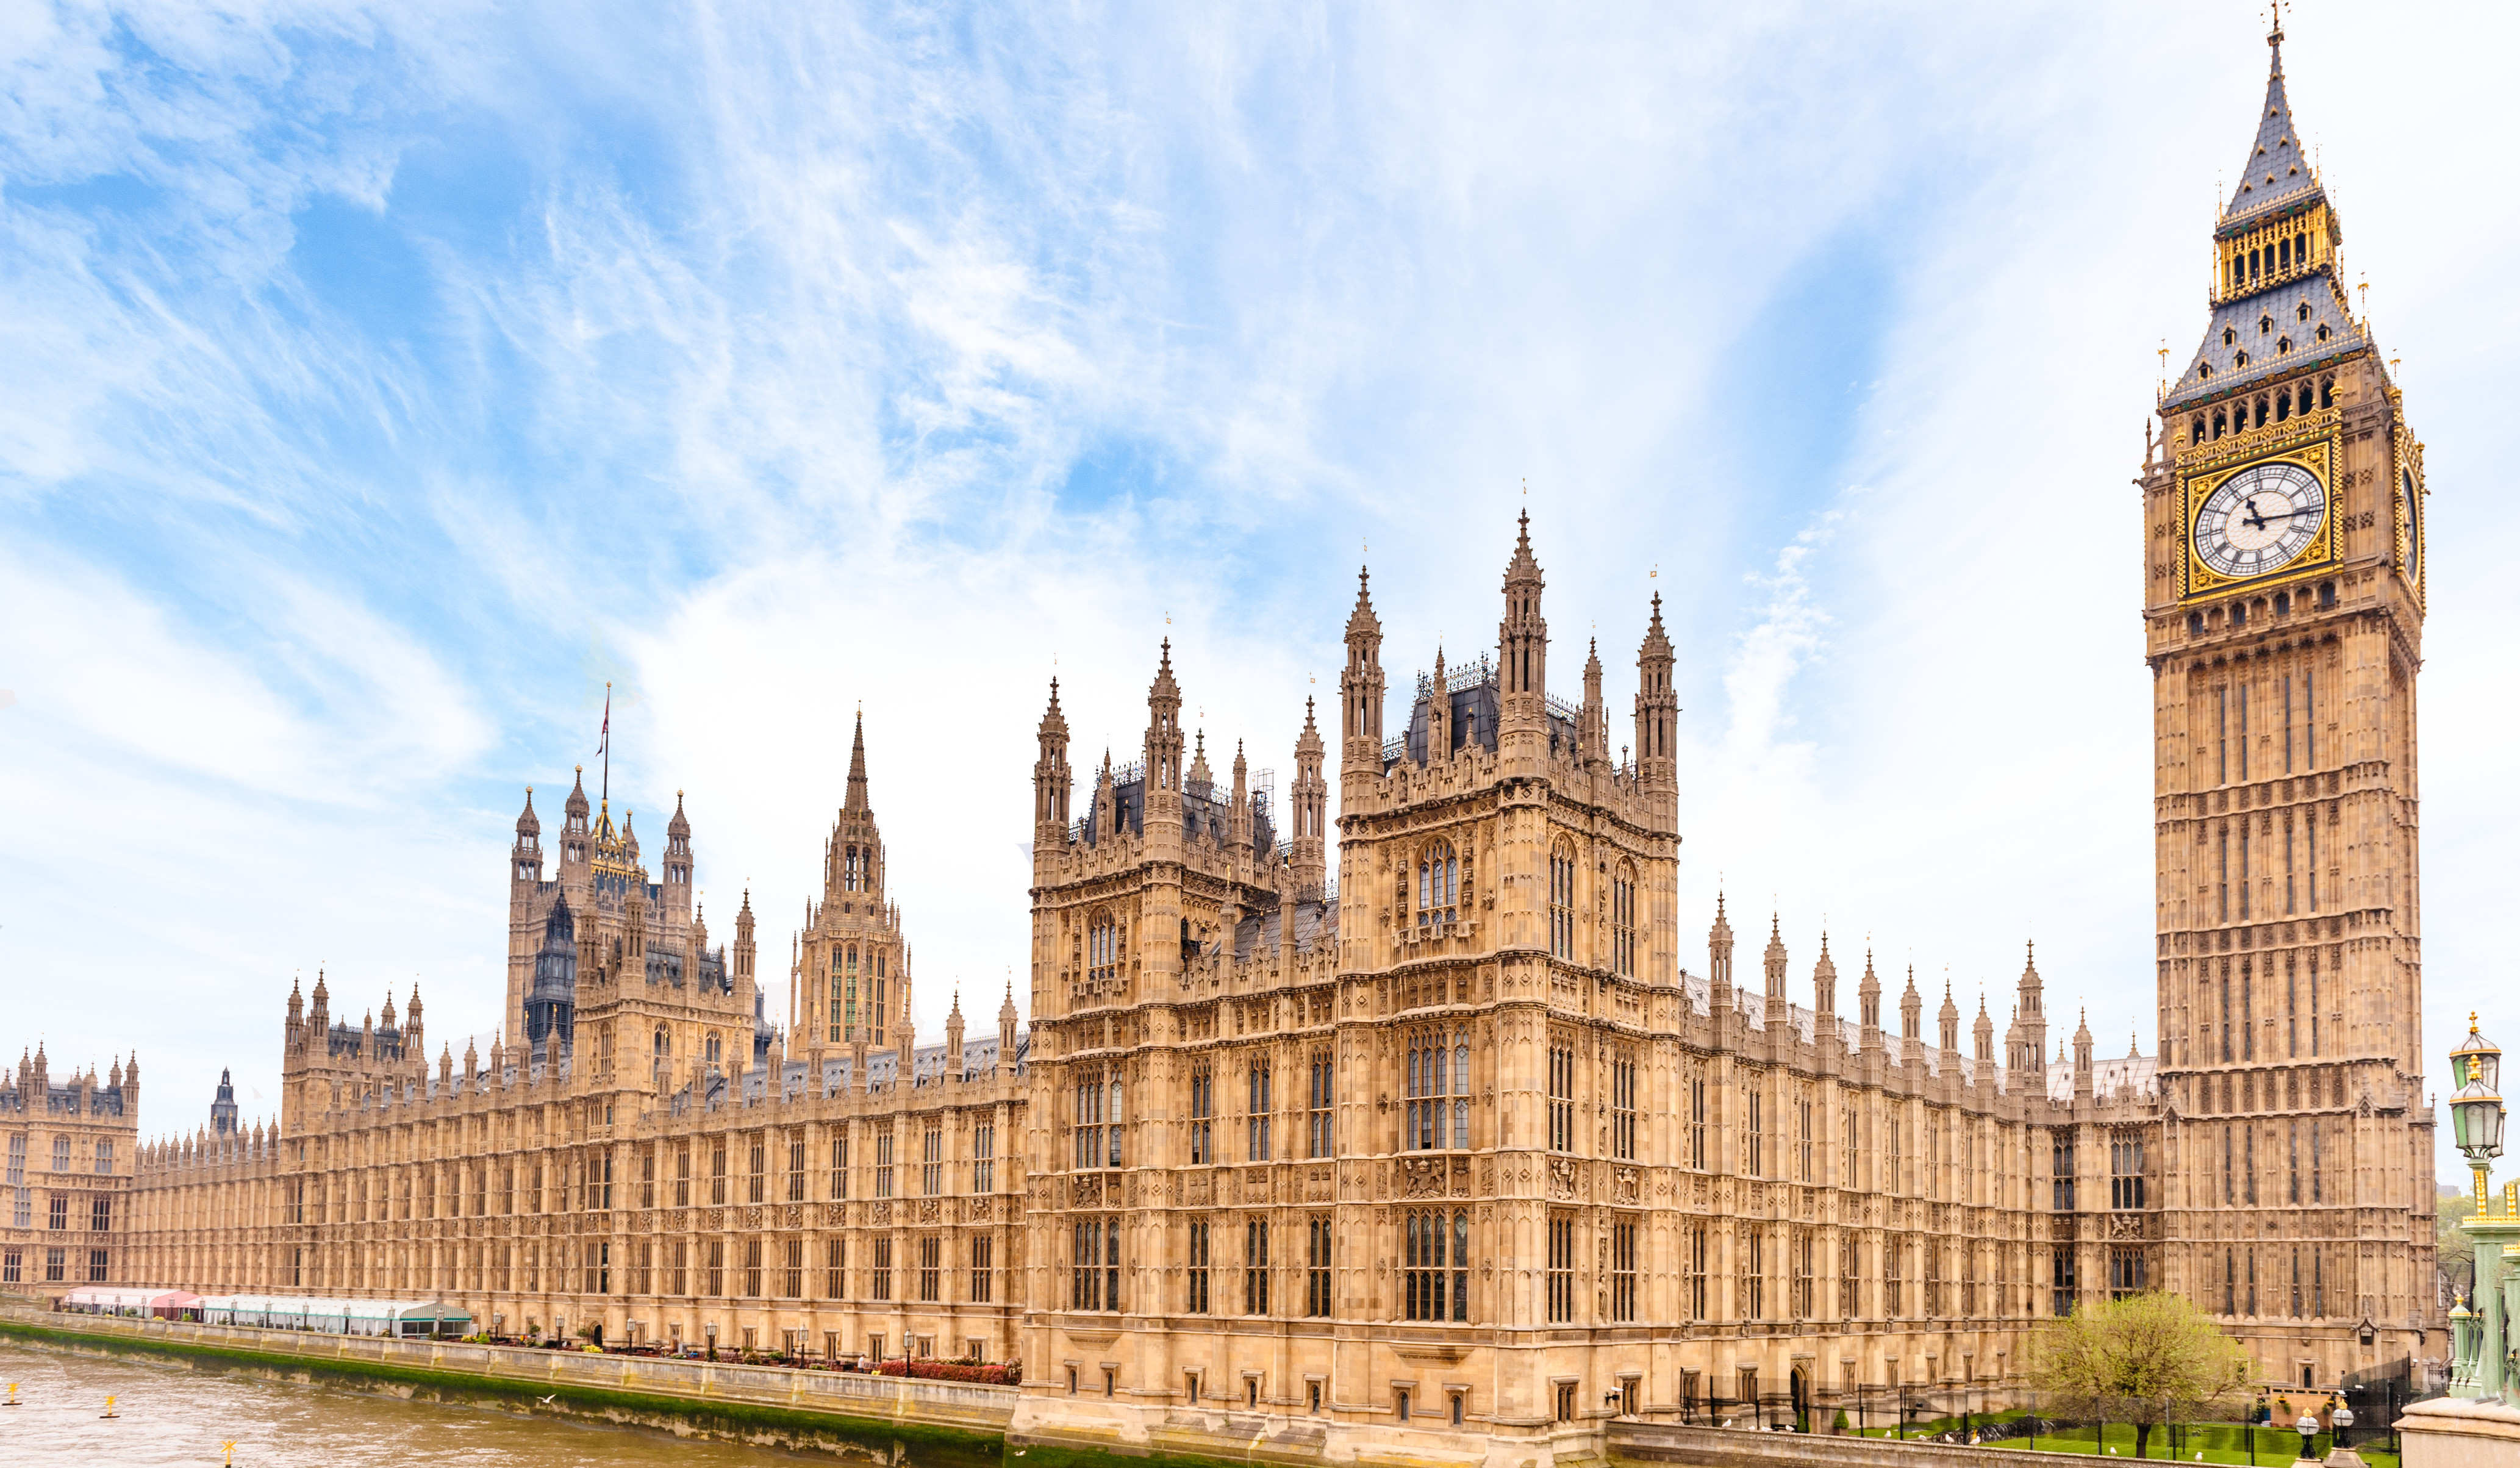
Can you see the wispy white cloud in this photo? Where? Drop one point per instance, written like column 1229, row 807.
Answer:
column 374, row 362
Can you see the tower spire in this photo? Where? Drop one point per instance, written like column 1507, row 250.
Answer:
column 857, row 800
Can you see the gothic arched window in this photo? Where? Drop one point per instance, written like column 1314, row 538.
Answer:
column 1102, row 946
column 1623, row 921
column 1436, row 1086
column 1562, row 901
column 1439, row 876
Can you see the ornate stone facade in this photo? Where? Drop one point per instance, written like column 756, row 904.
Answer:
column 1452, row 1154
column 654, row 1161
column 2284, row 620
column 71, row 1147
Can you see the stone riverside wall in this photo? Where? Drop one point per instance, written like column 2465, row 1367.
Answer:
column 765, row 1404
column 1733, row 1447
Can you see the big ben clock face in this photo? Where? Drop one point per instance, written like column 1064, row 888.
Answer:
column 2415, row 526
column 2259, row 519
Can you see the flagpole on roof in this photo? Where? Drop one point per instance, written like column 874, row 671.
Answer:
column 603, row 744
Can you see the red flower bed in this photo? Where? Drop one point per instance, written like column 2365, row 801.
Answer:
column 1006, row 1375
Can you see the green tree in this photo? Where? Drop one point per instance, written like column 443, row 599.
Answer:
column 2454, row 1252
column 2145, row 1360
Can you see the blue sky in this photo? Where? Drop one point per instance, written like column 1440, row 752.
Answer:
column 383, row 380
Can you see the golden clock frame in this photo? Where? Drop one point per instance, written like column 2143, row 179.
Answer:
column 2319, row 459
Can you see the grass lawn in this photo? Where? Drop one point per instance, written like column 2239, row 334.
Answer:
column 2218, row 1442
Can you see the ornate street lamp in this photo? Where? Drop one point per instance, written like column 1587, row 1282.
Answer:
column 2342, row 1418
column 2308, row 1427
column 2476, row 1114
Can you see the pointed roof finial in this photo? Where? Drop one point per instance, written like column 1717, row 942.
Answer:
column 857, row 797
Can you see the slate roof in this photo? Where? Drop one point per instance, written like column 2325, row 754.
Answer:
column 2216, row 367
column 2277, row 172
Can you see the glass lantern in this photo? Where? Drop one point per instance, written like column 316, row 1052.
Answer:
column 2476, row 1114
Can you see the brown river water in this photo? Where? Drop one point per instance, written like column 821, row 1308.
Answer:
column 169, row 1414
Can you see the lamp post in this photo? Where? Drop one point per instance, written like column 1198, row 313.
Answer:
column 2342, row 1418
column 2476, row 1118
column 2308, row 1427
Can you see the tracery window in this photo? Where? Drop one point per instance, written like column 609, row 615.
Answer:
column 1561, row 1268
column 1623, row 1270
column 1317, row 1266
column 1203, row 1114
column 1261, row 1084
column 1623, row 1104
column 1098, row 1119
column 1437, row 1091
column 1318, row 1127
column 1562, row 901
column 1435, row 1264
column 1623, row 921
column 1196, row 1301
column 1093, row 1281
column 1255, row 1268
column 1103, row 948
column 2126, row 1172
column 1439, row 876
column 1561, row 1098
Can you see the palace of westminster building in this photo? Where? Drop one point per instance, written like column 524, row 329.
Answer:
column 1444, row 1138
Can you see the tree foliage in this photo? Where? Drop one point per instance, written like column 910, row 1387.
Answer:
column 2145, row 1360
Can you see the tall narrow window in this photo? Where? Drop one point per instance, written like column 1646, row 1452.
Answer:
column 1439, row 876
column 1754, row 1151
column 879, row 1273
column 1562, row 901
column 2248, row 1013
column 931, row 1162
column 2317, row 1192
column 1435, row 1090
column 931, row 1252
column 1255, row 1268
column 2126, row 1172
column 2309, row 850
column 2246, row 871
column 1195, row 1300
column 1561, row 1098
column 1803, row 1139
column 1435, row 1265
column 2249, row 1168
column 884, row 1167
column 1754, row 1272
column 2292, row 1145
column 1090, row 1100
column 1317, row 1128
column 2062, row 1169
column 1317, row 1266
column 836, row 1270
column 1697, row 1123
column 1202, row 1116
column 2289, row 897
column 983, row 1250
column 1258, row 1080
column 1622, row 1106
column 2243, row 720
column 1695, row 1264
column 1623, row 1270
column 2222, row 736
column 2223, row 875
column 1561, row 1268
column 2309, row 718
column 2293, row 1032
column 1623, row 921
column 2287, row 722
column 840, row 1167
column 984, row 1157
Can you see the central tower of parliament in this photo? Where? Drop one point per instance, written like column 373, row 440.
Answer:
column 1431, row 1127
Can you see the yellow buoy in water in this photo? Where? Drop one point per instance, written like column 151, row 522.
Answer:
column 109, row 1408
column 229, row 1450
column 12, row 1395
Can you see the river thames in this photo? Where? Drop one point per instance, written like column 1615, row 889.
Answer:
column 168, row 1414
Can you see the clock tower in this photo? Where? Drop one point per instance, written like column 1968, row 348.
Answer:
column 2284, row 623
